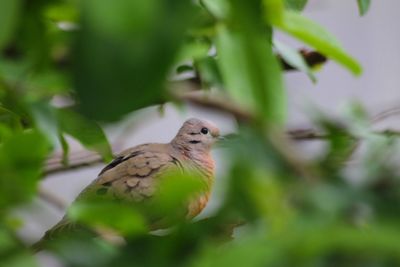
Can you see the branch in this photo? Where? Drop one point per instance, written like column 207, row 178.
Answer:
column 305, row 134
column 199, row 98
column 385, row 114
column 77, row 160
column 312, row 58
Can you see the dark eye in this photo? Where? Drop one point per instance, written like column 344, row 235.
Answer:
column 204, row 130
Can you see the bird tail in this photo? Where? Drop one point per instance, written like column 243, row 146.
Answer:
column 63, row 225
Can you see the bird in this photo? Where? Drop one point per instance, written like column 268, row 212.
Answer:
column 135, row 174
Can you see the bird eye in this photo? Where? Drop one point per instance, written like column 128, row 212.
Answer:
column 204, row 130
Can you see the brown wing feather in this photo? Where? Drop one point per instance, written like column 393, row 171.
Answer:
column 132, row 175
column 135, row 177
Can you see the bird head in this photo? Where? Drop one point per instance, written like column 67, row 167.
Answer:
column 196, row 134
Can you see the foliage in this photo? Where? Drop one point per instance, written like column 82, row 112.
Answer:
column 67, row 65
column 363, row 6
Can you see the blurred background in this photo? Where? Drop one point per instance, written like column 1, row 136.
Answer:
column 373, row 39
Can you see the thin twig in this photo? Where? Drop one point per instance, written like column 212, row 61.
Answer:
column 306, row 134
column 216, row 102
column 90, row 159
column 385, row 114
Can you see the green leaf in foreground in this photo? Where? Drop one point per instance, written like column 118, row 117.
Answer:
column 363, row 6
column 21, row 159
column 86, row 131
column 124, row 51
column 296, row 5
column 316, row 36
column 273, row 10
column 106, row 214
column 9, row 13
column 249, row 69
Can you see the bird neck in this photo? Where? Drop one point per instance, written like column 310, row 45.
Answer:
column 198, row 158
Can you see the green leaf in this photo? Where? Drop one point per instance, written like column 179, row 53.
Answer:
column 250, row 250
column 218, row 8
column 209, row 71
column 9, row 13
column 22, row 259
column 45, row 120
column 124, row 51
column 296, row 5
column 86, row 131
column 62, row 11
column 273, row 10
column 363, row 6
column 107, row 214
column 316, row 36
column 175, row 189
column 250, row 71
column 193, row 50
column 10, row 118
column 21, row 159
column 294, row 58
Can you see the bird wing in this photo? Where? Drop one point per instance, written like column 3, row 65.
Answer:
column 134, row 174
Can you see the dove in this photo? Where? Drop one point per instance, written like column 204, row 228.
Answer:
column 135, row 174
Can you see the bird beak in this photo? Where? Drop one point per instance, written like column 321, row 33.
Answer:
column 220, row 140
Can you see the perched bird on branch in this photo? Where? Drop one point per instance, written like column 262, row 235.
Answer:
column 135, row 174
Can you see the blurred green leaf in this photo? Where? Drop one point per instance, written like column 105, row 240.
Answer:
column 86, row 131
column 21, row 159
column 5, row 132
column 13, row 72
column 9, row 18
column 46, row 120
column 9, row 118
column 273, row 10
column 81, row 249
column 209, row 72
column 62, row 11
column 109, row 215
column 294, row 59
column 46, row 84
column 193, row 50
column 124, row 51
column 6, row 240
column 19, row 260
column 176, row 189
column 33, row 43
column 363, row 6
column 246, row 251
column 345, row 240
column 297, row 5
column 316, row 36
column 341, row 146
column 249, row 69
column 12, row 251
column 219, row 8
